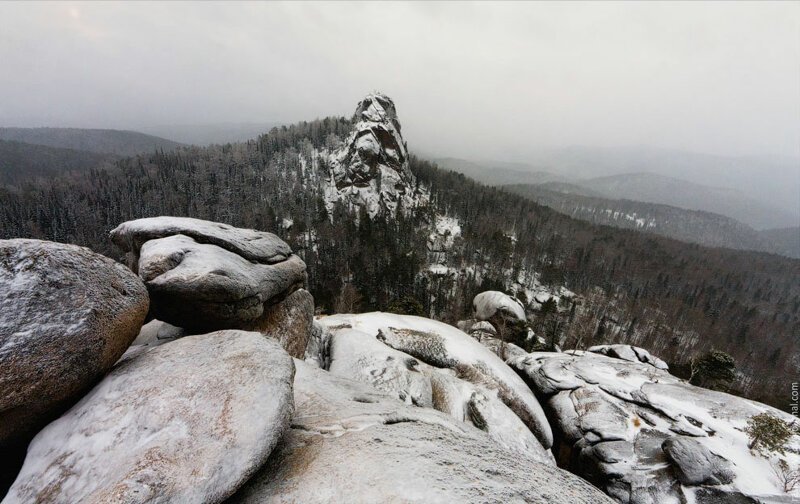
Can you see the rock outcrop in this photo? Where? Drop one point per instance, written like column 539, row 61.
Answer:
column 418, row 341
column 205, row 276
column 187, row 421
column 371, row 168
column 647, row 437
column 352, row 443
column 66, row 315
column 492, row 304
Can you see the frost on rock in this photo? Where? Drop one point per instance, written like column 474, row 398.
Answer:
column 352, row 443
column 487, row 304
column 418, row 347
column 371, row 169
column 66, row 315
column 188, row 421
column 647, row 437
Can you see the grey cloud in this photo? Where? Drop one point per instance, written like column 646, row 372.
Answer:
column 472, row 79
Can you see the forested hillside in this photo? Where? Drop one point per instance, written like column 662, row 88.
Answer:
column 704, row 228
column 104, row 141
column 672, row 298
column 20, row 161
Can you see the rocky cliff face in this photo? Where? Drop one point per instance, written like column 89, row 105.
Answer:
column 371, row 168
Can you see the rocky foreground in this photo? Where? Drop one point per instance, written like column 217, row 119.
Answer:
column 198, row 374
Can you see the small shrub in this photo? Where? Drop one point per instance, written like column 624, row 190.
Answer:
column 789, row 477
column 768, row 433
column 407, row 305
column 714, row 370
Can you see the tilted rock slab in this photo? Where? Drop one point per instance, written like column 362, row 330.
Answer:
column 444, row 346
column 351, row 443
column 188, row 421
column 630, row 353
column 66, row 315
column 647, row 437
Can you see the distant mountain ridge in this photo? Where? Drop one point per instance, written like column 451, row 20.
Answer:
column 704, row 228
column 104, row 141
column 786, row 240
column 21, row 161
column 771, row 180
column 208, row 134
column 751, row 204
column 654, row 188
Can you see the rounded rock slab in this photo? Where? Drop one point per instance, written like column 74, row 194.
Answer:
column 66, row 315
column 351, row 443
column 256, row 246
column 188, row 421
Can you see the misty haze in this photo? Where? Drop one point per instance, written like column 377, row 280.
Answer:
column 368, row 252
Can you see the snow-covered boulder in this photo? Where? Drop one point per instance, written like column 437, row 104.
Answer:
column 256, row 246
column 443, row 346
column 482, row 329
column 188, row 421
column 352, row 443
column 487, row 305
column 371, row 168
column 66, row 315
column 647, row 437
column 630, row 353
column 204, row 287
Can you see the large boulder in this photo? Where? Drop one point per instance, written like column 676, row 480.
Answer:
column 489, row 305
column 647, row 437
column 188, row 421
column 695, row 464
column 204, row 276
column 418, row 339
column 204, row 287
column 352, row 443
column 66, row 315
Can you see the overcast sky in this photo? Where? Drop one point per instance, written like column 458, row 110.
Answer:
column 475, row 80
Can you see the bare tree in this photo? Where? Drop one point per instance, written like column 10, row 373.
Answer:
column 348, row 299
